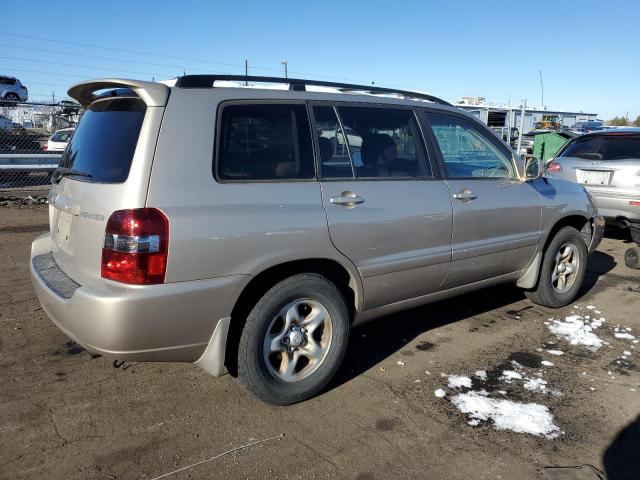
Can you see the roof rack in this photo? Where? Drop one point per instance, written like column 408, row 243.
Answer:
column 207, row 81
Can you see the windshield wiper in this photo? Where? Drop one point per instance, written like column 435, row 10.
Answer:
column 63, row 172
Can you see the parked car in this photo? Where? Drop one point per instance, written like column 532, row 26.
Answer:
column 11, row 90
column 69, row 106
column 59, row 140
column 6, row 125
column 248, row 240
column 607, row 163
column 586, row 127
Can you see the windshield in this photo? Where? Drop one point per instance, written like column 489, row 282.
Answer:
column 604, row 147
column 105, row 140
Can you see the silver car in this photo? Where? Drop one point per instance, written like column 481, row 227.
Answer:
column 11, row 90
column 607, row 163
column 249, row 229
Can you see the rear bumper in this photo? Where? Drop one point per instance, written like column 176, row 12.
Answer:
column 616, row 205
column 169, row 322
column 597, row 227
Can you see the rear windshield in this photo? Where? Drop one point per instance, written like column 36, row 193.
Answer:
column 62, row 136
column 604, row 147
column 105, row 140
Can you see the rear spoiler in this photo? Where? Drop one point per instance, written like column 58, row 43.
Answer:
column 152, row 94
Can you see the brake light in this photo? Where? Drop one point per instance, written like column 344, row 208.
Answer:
column 633, row 203
column 45, row 147
column 554, row 166
column 135, row 246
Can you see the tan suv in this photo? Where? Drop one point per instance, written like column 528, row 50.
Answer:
column 248, row 229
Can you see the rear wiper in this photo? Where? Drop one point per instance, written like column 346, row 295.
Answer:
column 63, row 172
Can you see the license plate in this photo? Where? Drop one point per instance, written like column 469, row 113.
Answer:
column 595, row 177
column 63, row 228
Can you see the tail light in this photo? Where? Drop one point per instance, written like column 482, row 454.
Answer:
column 45, row 147
column 135, row 246
column 553, row 166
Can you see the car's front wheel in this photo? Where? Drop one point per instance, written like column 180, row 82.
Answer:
column 11, row 97
column 294, row 340
column 562, row 271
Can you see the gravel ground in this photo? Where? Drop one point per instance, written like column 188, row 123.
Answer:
column 64, row 414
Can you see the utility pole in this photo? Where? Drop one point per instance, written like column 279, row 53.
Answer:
column 53, row 96
column 246, row 71
column 522, row 112
column 286, row 74
column 542, row 89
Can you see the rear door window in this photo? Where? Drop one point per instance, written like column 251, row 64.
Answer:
column 105, row 140
column 604, row 147
column 265, row 142
column 384, row 142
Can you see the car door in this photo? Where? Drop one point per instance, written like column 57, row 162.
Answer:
column 496, row 215
column 387, row 210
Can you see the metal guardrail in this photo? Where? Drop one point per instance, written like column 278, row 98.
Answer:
column 26, row 176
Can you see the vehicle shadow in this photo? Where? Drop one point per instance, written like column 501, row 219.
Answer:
column 599, row 264
column 372, row 342
column 621, row 459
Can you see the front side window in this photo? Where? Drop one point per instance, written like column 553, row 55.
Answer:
column 266, row 141
column 384, row 142
column 467, row 151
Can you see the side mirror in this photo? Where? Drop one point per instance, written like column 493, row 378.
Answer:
column 533, row 168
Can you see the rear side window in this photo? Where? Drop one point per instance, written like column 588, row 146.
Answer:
column 604, row 147
column 266, row 142
column 105, row 140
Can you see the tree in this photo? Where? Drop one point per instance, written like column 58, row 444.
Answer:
column 618, row 122
column 636, row 122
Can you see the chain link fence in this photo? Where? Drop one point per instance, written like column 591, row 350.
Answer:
column 32, row 139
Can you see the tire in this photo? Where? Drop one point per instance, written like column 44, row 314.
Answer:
column 632, row 257
column 12, row 97
column 313, row 355
column 569, row 251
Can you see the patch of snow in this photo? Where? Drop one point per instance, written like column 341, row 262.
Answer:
column 439, row 393
column 510, row 375
column 481, row 374
column 417, row 380
column 576, row 332
column 624, row 336
column 458, row 381
column 474, row 422
column 401, row 363
column 507, row 415
column 502, row 392
column 627, row 352
column 547, row 363
column 555, row 352
column 535, row 384
column 591, row 307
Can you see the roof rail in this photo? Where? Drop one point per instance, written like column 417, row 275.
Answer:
column 207, row 81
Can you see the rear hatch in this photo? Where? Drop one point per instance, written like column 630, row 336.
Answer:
column 607, row 162
column 105, row 167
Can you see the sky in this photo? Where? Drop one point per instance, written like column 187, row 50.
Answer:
column 588, row 51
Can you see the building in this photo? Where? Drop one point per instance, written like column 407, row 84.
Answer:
column 499, row 117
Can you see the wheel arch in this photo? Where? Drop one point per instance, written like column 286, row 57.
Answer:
column 579, row 222
column 346, row 279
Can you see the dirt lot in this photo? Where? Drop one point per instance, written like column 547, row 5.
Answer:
column 64, row 414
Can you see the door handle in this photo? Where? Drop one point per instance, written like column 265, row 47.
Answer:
column 346, row 199
column 465, row 195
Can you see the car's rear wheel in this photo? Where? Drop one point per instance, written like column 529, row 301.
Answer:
column 562, row 271
column 11, row 97
column 294, row 340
